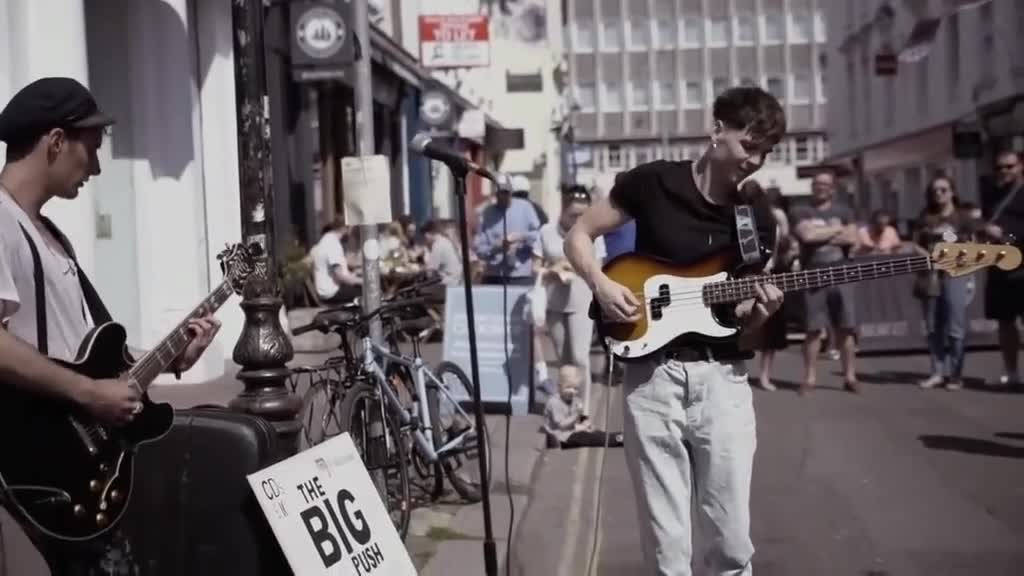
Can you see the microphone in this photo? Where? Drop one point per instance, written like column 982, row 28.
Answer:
column 424, row 145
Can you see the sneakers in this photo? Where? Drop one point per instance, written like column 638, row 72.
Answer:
column 954, row 384
column 932, row 381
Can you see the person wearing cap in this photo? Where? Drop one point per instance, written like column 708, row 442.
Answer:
column 504, row 241
column 53, row 129
column 521, row 189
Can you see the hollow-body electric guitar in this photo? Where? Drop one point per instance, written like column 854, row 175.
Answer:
column 678, row 301
column 63, row 473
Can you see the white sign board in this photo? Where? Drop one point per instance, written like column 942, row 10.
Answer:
column 367, row 188
column 327, row 515
column 455, row 41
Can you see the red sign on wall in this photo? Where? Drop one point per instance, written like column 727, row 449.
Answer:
column 455, row 41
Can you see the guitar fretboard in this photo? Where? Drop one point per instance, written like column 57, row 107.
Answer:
column 743, row 288
column 159, row 358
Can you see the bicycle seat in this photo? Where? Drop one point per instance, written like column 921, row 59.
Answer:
column 344, row 317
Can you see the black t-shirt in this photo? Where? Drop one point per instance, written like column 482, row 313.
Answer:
column 676, row 222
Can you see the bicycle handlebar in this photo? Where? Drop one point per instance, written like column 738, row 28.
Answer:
column 322, row 322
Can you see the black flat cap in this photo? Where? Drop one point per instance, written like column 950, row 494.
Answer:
column 50, row 103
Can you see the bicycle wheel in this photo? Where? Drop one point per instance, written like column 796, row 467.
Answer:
column 320, row 414
column 461, row 465
column 382, row 449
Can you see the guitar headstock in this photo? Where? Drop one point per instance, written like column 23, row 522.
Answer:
column 958, row 259
column 240, row 262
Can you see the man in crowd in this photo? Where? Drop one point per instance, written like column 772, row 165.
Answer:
column 827, row 234
column 441, row 257
column 335, row 283
column 1005, row 218
column 504, row 241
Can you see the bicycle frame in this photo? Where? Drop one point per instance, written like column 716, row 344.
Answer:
column 376, row 361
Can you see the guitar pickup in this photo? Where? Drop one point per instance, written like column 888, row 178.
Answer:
column 660, row 302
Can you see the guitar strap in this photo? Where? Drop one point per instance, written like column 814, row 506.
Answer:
column 97, row 309
column 746, row 235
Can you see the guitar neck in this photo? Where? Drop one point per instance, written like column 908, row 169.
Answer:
column 743, row 288
column 159, row 358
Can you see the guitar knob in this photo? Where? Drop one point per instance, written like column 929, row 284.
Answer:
column 94, row 485
column 102, row 520
column 104, row 467
column 116, row 496
column 79, row 511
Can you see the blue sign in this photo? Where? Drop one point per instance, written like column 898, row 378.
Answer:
column 495, row 330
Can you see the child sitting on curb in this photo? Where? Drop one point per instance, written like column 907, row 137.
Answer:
column 564, row 423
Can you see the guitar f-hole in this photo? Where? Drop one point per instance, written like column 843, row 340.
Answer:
column 660, row 302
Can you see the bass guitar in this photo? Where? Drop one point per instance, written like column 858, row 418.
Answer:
column 70, row 477
column 684, row 301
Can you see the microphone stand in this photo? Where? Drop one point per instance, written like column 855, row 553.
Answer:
column 490, row 551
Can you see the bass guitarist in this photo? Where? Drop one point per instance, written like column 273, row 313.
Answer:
column 53, row 130
column 690, row 393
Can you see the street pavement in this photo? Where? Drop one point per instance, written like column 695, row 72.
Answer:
column 895, row 481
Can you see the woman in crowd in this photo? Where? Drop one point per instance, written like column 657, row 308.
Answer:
column 943, row 298
column 568, row 298
column 879, row 236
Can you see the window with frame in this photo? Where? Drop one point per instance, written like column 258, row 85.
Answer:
column 801, row 89
column 693, row 96
column 775, row 87
column 611, row 97
column 803, row 149
column 614, row 157
column 820, row 26
column 639, row 34
column 744, row 33
column 691, row 31
column 747, row 81
column 639, row 95
column 585, row 96
column 666, row 95
column 583, row 36
column 642, row 155
column 774, row 27
column 719, row 32
column 665, row 32
column 611, row 37
column 719, row 84
column 801, row 26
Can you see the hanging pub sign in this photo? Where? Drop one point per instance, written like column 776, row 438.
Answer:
column 323, row 43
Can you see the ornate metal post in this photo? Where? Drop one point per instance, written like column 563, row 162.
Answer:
column 263, row 349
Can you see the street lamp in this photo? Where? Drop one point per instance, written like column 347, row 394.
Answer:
column 263, row 349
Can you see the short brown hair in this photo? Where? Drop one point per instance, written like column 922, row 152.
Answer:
column 752, row 109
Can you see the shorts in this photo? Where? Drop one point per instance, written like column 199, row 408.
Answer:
column 1003, row 299
column 835, row 305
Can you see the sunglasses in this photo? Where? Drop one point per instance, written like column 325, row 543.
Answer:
column 1006, row 166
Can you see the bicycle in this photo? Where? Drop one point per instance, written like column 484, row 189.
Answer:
column 442, row 435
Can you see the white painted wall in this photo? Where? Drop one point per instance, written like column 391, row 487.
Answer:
column 40, row 45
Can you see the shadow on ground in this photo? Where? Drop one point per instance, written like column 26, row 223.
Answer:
column 976, row 446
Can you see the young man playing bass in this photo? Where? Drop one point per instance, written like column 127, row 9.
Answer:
column 684, row 213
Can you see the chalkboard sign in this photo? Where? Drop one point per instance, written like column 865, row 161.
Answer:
column 493, row 325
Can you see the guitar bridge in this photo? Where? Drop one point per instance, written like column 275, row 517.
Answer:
column 83, row 435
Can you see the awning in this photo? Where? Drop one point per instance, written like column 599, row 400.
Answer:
column 919, row 44
column 934, row 143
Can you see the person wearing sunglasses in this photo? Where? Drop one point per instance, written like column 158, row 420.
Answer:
column 1005, row 223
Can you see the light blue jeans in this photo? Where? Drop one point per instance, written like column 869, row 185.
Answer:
column 708, row 405
column 945, row 317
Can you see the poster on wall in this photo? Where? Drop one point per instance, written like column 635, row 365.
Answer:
column 455, row 41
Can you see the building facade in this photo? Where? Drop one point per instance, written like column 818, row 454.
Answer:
column 517, row 87
column 644, row 74
column 920, row 88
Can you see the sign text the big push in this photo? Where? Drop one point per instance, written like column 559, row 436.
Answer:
column 327, row 514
